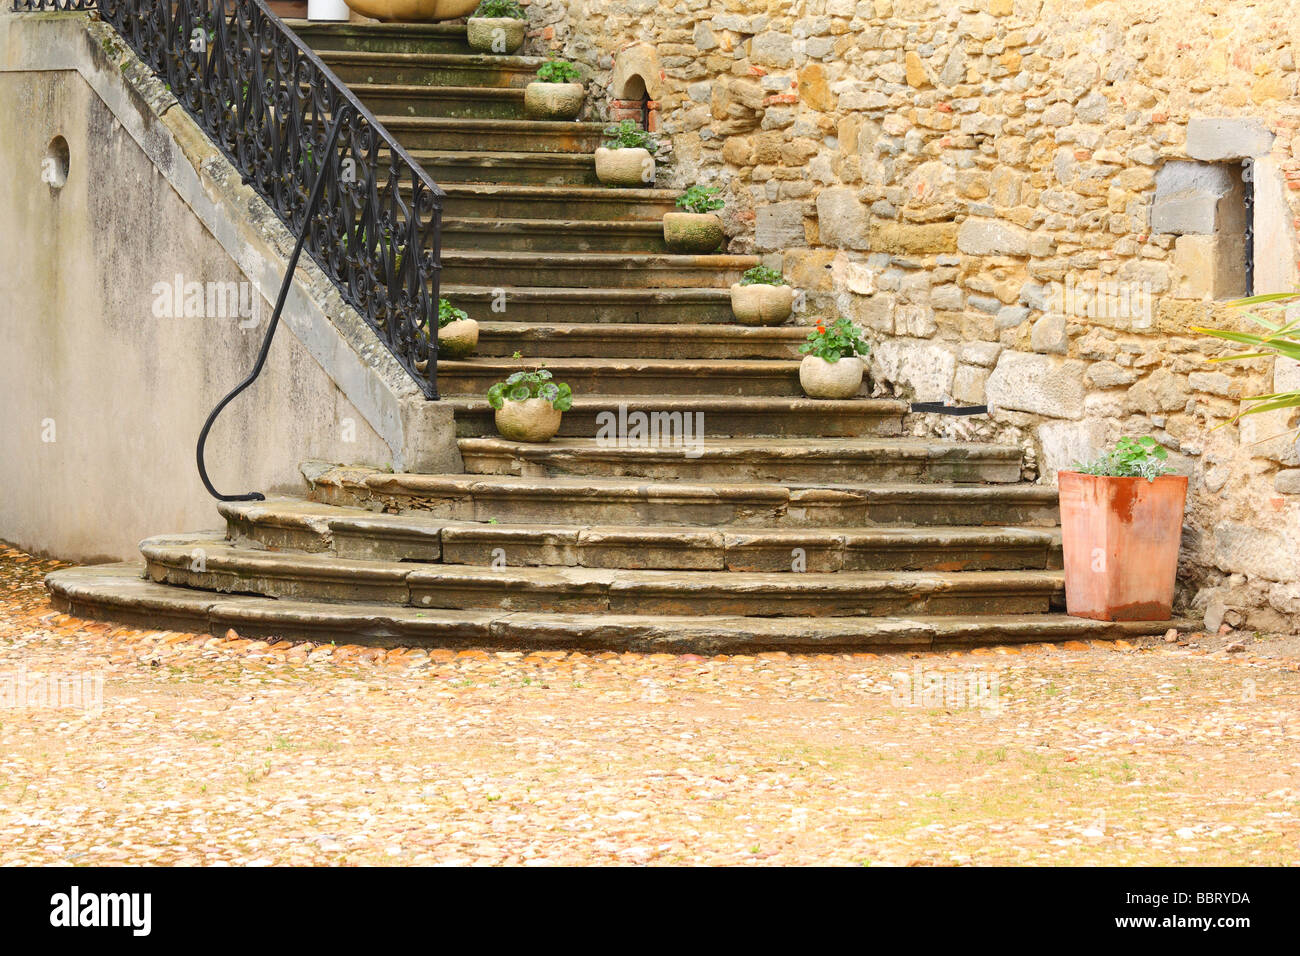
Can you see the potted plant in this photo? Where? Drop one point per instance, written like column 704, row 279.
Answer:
column 832, row 364
column 697, row 229
column 1121, row 525
column 557, row 92
column 529, row 405
column 761, row 297
column 457, row 332
column 497, row 26
column 412, row 11
column 628, row 160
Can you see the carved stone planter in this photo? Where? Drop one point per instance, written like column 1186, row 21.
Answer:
column 553, row 101
column 761, row 304
column 495, row 34
column 413, row 11
column 533, row 420
column 457, row 339
column 625, row 167
column 697, row 232
column 823, row 379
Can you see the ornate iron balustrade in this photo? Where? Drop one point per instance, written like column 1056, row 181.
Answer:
column 268, row 102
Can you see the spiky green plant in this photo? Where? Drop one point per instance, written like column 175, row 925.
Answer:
column 1277, row 314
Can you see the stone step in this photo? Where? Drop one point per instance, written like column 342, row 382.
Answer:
column 608, row 270
column 557, row 235
column 366, row 67
column 590, row 340
column 382, row 37
column 452, row 102
column 117, row 593
column 291, row 524
column 723, row 416
column 626, row 501
column 514, row 201
column 591, row 376
column 493, row 135
column 684, row 455
column 210, row 563
column 526, row 168
column 602, row 306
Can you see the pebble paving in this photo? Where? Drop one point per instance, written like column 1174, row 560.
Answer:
column 203, row 750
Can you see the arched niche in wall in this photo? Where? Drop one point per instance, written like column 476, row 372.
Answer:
column 635, row 84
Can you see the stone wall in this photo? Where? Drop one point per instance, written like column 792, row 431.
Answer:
column 1027, row 203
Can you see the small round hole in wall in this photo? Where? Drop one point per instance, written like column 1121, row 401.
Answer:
column 54, row 167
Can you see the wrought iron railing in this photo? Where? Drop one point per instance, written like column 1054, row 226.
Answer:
column 268, row 102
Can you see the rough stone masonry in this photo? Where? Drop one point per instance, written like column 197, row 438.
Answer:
column 1027, row 203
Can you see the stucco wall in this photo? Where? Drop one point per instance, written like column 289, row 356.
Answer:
column 103, row 399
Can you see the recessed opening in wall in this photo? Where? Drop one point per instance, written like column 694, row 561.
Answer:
column 54, row 167
column 1208, row 206
column 632, row 101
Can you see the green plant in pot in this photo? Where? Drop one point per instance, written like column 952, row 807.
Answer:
column 557, row 93
column 529, row 405
column 457, row 332
column 695, row 229
column 1121, row 526
column 497, row 26
column 762, row 297
column 627, row 159
column 832, row 366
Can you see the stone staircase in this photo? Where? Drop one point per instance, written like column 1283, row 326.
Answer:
column 791, row 523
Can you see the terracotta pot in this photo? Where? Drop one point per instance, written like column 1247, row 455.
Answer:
column 760, row 304
column 555, row 101
column 697, row 232
column 457, row 339
column 625, row 167
column 534, row 420
column 1121, row 537
column 823, row 379
column 413, row 11
column 495, row 34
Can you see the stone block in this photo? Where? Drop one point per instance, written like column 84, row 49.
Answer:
column 923, row 368
column 1214, row 383
column 1109, row 375
column 990, row 237
column 1198, row 198
column 1042, row 384
column 779, row 225
column 968, row 384
column 1209, row 267
column 984, row 354
column 912, row 239
column 1048, row 334
column 1255, row 551
column 842, row 219
column 1287, row 481
column 1161, row 391
column 1225, row 139
column 1062, row 445
column 1010, row 316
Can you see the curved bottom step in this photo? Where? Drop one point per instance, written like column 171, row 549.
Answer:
column 118, row 592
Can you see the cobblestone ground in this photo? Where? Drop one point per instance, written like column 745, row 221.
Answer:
column 223, row 750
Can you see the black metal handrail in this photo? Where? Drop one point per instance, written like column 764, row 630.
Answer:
column 268, row 102
column 323, row 176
